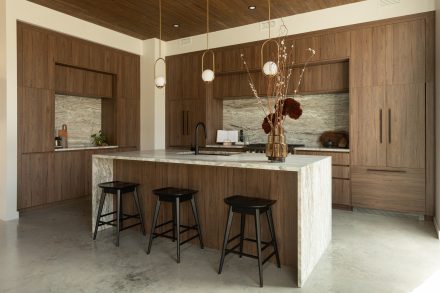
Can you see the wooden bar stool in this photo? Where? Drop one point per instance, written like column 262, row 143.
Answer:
column 118, row 189
column 175, row 196
column 250, row 206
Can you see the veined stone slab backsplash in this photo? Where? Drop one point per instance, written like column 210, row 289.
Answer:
column 81, row 115
column 326, row 112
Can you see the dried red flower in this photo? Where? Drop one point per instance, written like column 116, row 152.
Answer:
column 292, row 108
column 266, row 125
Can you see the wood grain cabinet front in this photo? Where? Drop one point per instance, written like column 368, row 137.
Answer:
column 69, row 179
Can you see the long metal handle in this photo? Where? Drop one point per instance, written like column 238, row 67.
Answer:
column 389, row 125
column 381, row 126
column 386, row 171
column 183, row 122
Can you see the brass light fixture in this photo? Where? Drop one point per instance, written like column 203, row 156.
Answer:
column 270, row 68
column 208, row 75
column 160, row 80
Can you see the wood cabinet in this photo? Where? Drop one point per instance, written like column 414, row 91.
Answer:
column 36, row 115
column 341, row 185
column 401, row 190
column 36, row 63
column 50, row 62
column 36, row 180
column 69, row 179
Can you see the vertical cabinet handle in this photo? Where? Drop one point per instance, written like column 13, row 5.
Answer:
column 381, row 126
column 389, row 125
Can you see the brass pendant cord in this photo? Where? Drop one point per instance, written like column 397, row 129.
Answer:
column 207, row 24
column 269, row 24
column 160, row 28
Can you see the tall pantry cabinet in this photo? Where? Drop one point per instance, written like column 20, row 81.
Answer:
column 388, row 116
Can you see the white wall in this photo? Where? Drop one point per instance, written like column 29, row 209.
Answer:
column 359, row 12
column 437, row 108
column 152, row 99
column 10, row 12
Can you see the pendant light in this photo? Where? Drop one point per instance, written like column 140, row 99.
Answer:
column 160, row 80
column 208, row 75
column 270, row 68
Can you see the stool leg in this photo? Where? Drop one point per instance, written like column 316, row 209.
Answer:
column 272, row 233
column 138, row 205
column 242, row 226
column 196, row 218
column 153, row 225
column 118, row 217
column 98, row 216
column 174, row 221
column 258, row 233
column 226, row 239
column 178, row 228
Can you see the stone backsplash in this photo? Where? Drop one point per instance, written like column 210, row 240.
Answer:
column 81, row 115
column 325, row 112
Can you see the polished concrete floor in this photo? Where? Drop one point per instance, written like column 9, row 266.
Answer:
column 51, row 250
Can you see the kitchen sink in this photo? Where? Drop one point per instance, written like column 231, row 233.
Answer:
column 210, row 153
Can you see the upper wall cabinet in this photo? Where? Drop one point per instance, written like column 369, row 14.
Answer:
column 174, row 77
column 368, row 57
column 406, row 49
column 128, row 82
column 35, row 68
column 335, row 46
column 302, row 53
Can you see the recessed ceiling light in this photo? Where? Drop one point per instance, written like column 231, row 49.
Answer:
column 176, row 25
column 252, row 7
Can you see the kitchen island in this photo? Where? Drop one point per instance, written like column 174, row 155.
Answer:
column 301, row 186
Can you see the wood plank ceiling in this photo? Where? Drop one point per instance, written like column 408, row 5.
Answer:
column 139, row 18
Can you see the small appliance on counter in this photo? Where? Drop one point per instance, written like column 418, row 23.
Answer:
column 227, row 137
column 58, row 142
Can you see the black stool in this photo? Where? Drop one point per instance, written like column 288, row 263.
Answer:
column 250, row 206
column 118, row 188
column 175, row 196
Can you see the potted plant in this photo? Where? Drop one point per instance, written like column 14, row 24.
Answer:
column 99, row 139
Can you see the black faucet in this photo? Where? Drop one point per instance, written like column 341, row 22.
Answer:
column 197, row 136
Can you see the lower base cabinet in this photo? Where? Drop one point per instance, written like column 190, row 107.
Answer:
column 401, row 190
column 51, row 177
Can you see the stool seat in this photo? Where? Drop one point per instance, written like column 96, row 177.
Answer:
column 113, row 187
column 240, row 201
column 170, row 194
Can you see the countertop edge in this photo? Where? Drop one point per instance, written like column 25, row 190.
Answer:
column 86, row 148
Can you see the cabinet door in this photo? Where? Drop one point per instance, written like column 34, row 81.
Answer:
column 34, row 54
column 129, row 77
column 401, row 190
column 194, row 114
column 36, row 180
column 176, row 119
column 406, row 52
column 335, row 45
column 69, row 175
column 128, row 122
column 341, row 192
column 193, row 86
column 406, row 126
column 368, row 57
column 36, row 120
column 174, row 78
column 367, row 126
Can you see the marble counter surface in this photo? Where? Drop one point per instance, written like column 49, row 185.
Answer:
column 81, row 148
column 241, row 160
column 334, row 150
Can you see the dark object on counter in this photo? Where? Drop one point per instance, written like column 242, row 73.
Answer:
column 334, row 139
column 255, row 207
column 241, row 136
column 261, row 148
column 63, row 134
column 175, row 196
column 118, row 189
column 58, row 142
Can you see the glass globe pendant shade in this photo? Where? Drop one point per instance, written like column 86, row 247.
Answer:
column 270, row 68
column 160, row 82
column 208, row 75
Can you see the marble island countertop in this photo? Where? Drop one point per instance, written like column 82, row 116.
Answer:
column 240, row 160
column 85, row 147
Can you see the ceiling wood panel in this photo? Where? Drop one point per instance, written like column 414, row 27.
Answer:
column 139, row 18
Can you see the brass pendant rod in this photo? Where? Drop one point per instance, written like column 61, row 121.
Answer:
column 207, row 24
column 160, row 28
column 268, row 2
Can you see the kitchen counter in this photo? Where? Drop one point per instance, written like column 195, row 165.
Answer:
column 336, row 150
column 81, row 148
column 301, row 186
